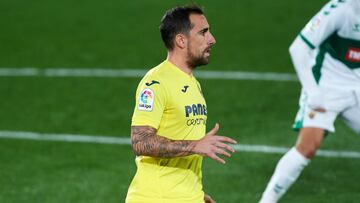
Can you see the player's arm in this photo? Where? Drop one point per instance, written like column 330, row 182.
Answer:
column 302, row 50
column 146, row 142
column 302, row 58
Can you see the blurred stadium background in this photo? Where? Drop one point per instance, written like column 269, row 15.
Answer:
column 252, row 36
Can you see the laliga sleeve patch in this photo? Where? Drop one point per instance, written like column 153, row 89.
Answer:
column 146, row 100
column 315, row 24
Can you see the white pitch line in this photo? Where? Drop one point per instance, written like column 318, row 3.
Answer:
column 136, row 73
column 126, row 141
column 19, row 72
column 64, row 137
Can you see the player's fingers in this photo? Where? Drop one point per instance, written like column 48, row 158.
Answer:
column 223, row 152
column 225, row 146
column 226, row 139
column 211, row 201
column 214, row 130
column 216, row 158
column 208, row 199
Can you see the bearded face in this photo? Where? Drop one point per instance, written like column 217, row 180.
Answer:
column 197, row 56
column 199, row 42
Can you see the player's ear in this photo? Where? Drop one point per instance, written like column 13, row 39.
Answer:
column 180, row 41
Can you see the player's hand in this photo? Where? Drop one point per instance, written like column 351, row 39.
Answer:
column 208, row 199
column 316, row 101
column 213, row 145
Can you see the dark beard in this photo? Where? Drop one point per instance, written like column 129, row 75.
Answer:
column 195, row 61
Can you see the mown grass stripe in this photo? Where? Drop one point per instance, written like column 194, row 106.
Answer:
column 126, row 141
column 135, row 73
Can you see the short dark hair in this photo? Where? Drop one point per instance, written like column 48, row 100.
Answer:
column 175, row 21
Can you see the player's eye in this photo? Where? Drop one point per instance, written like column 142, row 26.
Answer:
column 204, row 31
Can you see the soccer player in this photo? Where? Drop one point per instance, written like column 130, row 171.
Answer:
column 168, row 130
column 326, row 56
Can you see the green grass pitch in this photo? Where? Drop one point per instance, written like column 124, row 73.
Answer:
column 251, row 36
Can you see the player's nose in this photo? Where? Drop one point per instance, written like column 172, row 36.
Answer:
column 212, row 40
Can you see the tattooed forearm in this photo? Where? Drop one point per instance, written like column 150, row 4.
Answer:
column 146, row 142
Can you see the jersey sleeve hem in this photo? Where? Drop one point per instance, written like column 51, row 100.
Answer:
column 145, row 123
column 307, row 42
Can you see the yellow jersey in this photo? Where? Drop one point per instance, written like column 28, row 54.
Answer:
column 170, row 101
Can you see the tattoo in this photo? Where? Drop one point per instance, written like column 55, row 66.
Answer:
column 146, row 142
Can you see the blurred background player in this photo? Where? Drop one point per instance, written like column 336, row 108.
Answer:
column 168, row 129
column 326, row 56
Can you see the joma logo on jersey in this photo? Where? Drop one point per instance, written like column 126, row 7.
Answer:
column 353, row 55
column 195, row 109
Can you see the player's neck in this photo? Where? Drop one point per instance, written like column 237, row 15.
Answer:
column 179, row 61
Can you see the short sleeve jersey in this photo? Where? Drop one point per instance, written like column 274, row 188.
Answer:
column 172, row 102
column 335, row 32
